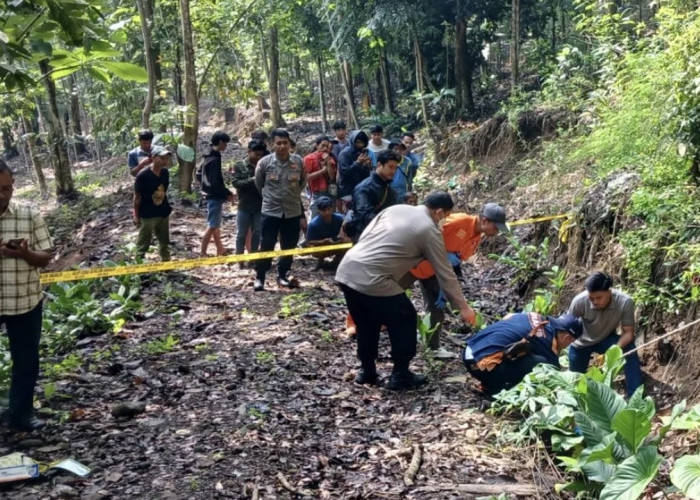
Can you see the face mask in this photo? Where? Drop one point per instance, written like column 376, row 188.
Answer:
column 441, row 223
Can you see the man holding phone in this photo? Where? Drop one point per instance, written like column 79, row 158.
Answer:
column 24, row 248
column 354, row 165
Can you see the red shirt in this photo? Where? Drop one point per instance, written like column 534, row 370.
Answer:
column 313, row 163
column 460, row 237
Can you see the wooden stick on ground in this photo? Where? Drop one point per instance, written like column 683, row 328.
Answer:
column 524, row 490
column 288, row 486
column 409, row 478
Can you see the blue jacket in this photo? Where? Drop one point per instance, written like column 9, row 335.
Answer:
column 350, row 172
column 495, row 338
column 403, row 179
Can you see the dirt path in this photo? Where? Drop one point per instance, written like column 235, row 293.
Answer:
column 241, row 386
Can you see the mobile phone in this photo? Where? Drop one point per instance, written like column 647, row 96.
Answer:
column 365, row 151
column 15, row 243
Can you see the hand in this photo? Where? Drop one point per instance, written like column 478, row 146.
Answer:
column 16, row 252
column 137, row 220
column 303, row 224
column 441, row 300
column 453, row 258
column 468, row 315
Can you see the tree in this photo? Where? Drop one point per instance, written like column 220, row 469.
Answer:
column 146, row 18
column 273, row 79
column 191, row 122
column 514, row 45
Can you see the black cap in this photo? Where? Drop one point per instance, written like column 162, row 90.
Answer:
column 324, row 203
column 567, row 323
column 493, row 212
column 396, row 142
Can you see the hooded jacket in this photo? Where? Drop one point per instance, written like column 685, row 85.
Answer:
column 350, row 172
column 212, row 179
column 370, row 197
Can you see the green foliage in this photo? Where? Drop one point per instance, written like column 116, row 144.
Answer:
column 264, row 357
column 527, row 260
column 85, row 308
column 685, row 475
column 161, row 345
column 301, row 97
column 546, row 299
column 294, row 304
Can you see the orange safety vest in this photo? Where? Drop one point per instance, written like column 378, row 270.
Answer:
column 460, row 237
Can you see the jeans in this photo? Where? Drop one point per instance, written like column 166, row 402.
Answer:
column 214, row 208
column 580, row 356
column 161, row 227
column 506, row 374
column 245, row 220
column 288, row 232
column 23, row 331
column 370, row 313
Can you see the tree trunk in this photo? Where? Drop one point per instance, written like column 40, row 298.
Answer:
column 322, row 95
column 346, row 72
column 36, row 165
column 514, row 46
column 76, row 123
column 386, row 82
column 366, row 94
column 419, row 79
column 554, row 28
column 460, row 60
column 192, row 115
column 177, row 76
column 146, row 16
column 273, row 81
column 56, row 140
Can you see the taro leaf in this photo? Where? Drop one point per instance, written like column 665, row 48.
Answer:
column 599, row 471
column 561, row 442
column 633, row 426
column 602, row 451
column 633, row 475
column 639, row 402
column 685, row 475
column 576, row 487
column 603, row 404
column 614, row 361
column 592, row 433
column 689, row 420
column 185, row 153
column 669, row 422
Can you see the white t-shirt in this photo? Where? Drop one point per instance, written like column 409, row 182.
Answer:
column 377, row 149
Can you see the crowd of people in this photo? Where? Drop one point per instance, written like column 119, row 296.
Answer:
column 359, row 190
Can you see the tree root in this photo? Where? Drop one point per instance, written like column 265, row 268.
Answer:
column 409, row 478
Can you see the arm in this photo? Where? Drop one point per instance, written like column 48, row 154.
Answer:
column 213, row 180
column 136, row 166
column 310, row 165
column 627, row 322
column 627, row 336
column 137, row 205
column 260, row 177
column 241, row 180
column 35, row 258
column 364, row 206
column 434, row 251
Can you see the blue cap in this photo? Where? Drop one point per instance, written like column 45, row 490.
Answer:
column 567, row 323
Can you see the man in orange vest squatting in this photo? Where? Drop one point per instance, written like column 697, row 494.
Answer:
column 500, row 355
column 462, row 234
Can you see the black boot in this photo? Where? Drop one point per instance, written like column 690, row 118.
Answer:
column 368, row 374
column 402, row 378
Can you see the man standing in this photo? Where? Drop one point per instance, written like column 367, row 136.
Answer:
column 321, row 171
column 602, row 309
column 500, row 355
column 374, row 194
column 140, row 157
column 280, row 179
column 341, row 138
column 402, row 182
column 151, row 206
column 354, row 165
column 24, row 246
column 408, row 139
column 462, row 234
column 396, row 241
column 249, row 199
column 378, row 143
column 215, row 191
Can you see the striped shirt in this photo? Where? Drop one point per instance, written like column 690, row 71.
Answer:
column 20, row 288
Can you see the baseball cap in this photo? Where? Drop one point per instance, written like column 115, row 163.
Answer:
column 159, row 151
column 567, row 323
column 493, row 212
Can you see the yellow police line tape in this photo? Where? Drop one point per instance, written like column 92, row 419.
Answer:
column 108, row 272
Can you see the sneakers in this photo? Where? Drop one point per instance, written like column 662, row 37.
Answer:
column 367, row 378
column 287, row 282
column 258, row 285
column 406, row 380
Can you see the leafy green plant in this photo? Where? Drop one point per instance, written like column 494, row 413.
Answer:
column 526, row 260
column 161, row 346
column 294, row 304
column 70, row 364
column 264, row 357
column 546, row 299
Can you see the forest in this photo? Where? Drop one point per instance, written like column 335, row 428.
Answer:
column 188, row 384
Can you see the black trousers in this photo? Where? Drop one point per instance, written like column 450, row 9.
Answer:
column 288, row 232
column 23, row 331
column 506, row 374
column 370, row 313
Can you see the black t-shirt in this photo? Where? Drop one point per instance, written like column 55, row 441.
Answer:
column 154, row 193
